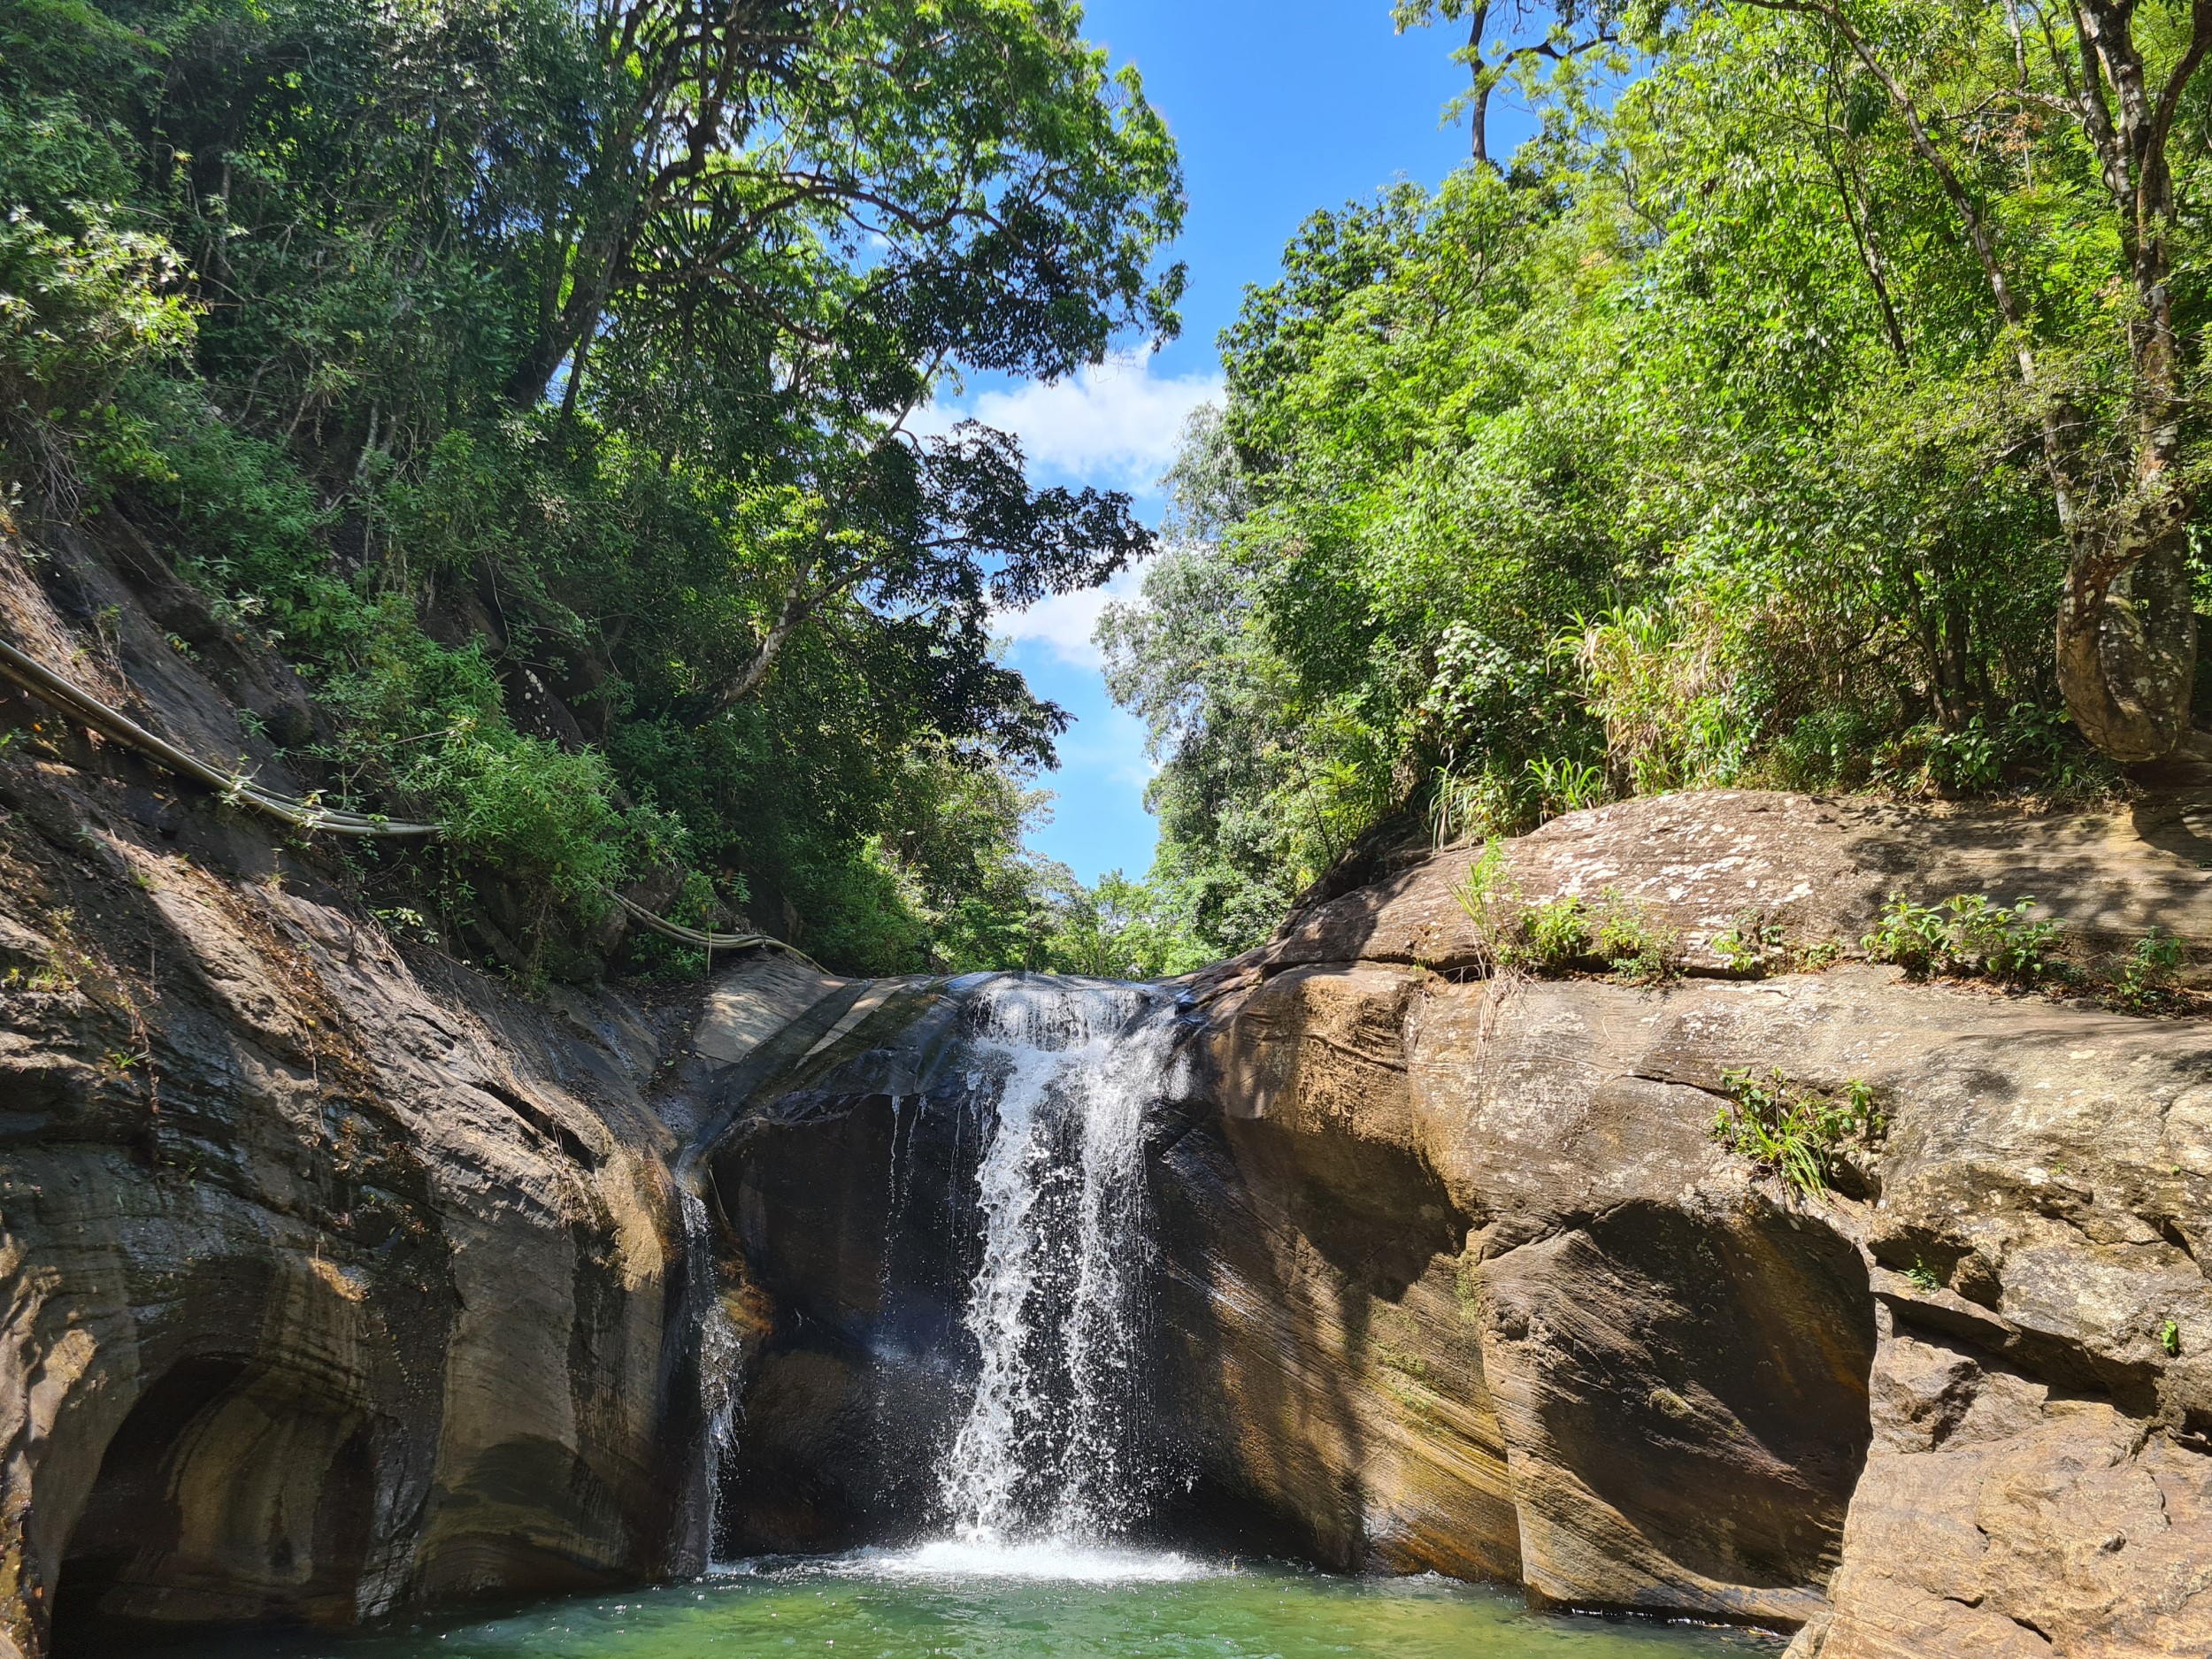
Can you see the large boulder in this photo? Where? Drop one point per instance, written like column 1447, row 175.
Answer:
column 1467, row 1283
column 1818, row 868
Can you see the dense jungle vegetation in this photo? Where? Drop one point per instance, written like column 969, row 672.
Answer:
column 537, row 377
column 1805, row 407
column 1812, row 403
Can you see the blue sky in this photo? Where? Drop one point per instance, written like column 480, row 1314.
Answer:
column 1279, row 107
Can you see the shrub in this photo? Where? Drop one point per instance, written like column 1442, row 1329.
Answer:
column 539, row 814
column 1798, row 1134
column 1485, row 802
column 1492, row 900
column 1967, row 936
column 1566, row 786
column 2026, row 746
column 2148, row 973
column 1999, row 943
column 1562, row 933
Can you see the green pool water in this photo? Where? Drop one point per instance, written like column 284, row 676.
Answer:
column 1038, row 1604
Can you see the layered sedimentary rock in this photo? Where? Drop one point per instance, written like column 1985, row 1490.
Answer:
column 334, row 1283
column 1454, row 1276
column 340, row 1279
column 335, row 1276
column 1470, row 1287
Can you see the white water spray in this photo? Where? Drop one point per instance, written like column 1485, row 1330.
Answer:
column 1056, row 1308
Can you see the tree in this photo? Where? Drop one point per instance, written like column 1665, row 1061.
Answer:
column 542, row 377
column 1572, row 30
column 1964, row 79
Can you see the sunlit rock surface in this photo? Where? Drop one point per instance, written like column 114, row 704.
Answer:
column 335, row 1276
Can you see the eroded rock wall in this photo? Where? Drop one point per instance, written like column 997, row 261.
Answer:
column 1455, row 1277
column 1464, row 1282
column 335, row 1278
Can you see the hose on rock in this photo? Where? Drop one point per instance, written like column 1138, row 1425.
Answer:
column 310, row 816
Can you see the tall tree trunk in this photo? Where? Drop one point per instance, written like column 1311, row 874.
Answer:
column 2127, row 633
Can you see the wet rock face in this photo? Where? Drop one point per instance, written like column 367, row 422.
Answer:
column 842, row 1177
column 334, row 1282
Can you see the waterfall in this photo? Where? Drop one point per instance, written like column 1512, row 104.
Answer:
column 720, row 1354
column 1052, row 1442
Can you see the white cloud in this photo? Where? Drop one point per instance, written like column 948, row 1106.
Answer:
column 1064, row 623
column 1114, row 426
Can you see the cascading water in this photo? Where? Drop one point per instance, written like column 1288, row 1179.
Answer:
column 1052, row 1443
column 721, row 1353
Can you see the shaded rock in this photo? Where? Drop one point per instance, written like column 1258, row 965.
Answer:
column 1463, row 1289
column 836, row 1155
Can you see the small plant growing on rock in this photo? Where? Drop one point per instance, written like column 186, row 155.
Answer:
column 1967, row 936
column 1910, row 935
column 1565, row 933
column 1750, row 945
column 2169, row 1339
column 2149, row 973
column 1798, row 1132
column 1999, row 943
column 1640, row 951
column 1556, row 933
column 1492, row 900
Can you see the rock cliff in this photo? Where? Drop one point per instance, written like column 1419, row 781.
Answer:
column 335, row 1276
column 1473, row 1288
column 1454, row 1276
column 340, row 1279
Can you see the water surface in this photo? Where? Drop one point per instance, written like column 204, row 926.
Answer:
column 1031, row 1602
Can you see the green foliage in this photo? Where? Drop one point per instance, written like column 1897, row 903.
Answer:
column 1639, row 950
column 1555, row 935
column 1564, row 933
column 1800, row 1134
column 1750, row 945
column 545, row 397
column 2149, row 974
column 539, row 815
column 1691, row 451
column 1968, row 936
column 1120, row 930
column 1492, row 899
column 1566, row 786
column 2169, row 1339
